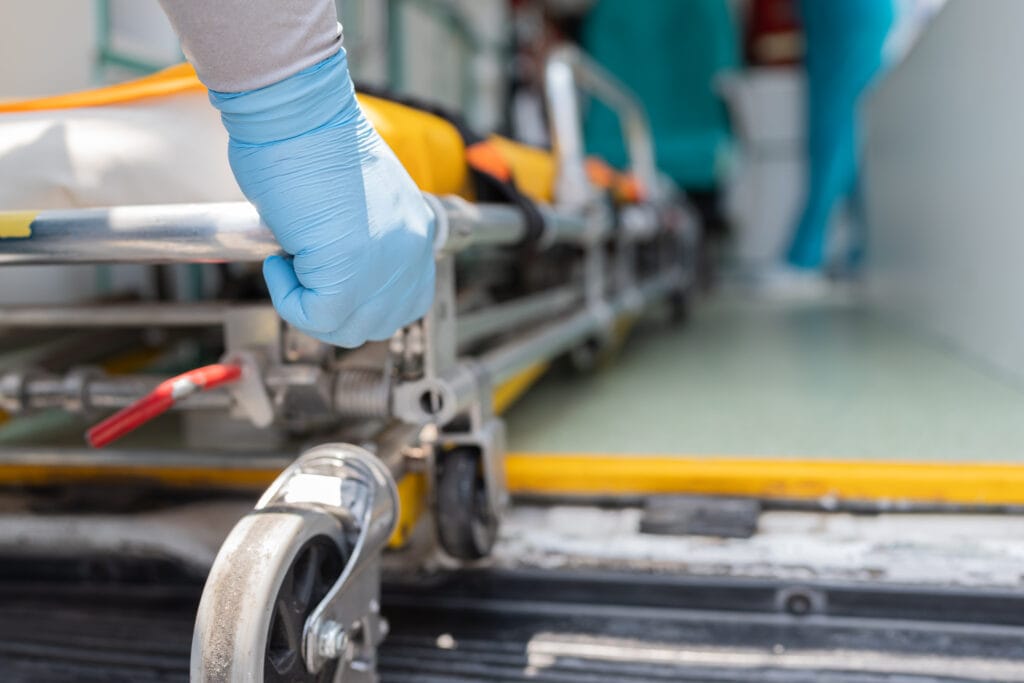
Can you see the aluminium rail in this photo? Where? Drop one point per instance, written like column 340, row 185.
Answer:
column 232, row 232
column 568, row 72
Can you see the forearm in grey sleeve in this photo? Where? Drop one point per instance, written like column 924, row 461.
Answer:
column 238, row 45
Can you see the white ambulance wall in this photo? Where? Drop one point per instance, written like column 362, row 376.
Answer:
column 944, row 174
column 46, row 46
column 49, row 47
column 162, row 151
column 434, row 60
column 141, row 29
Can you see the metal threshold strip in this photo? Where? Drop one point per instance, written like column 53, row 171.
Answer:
column 555, row 627
column 568, row 627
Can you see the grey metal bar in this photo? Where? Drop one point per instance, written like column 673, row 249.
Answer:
column 78, row 392
column 114, row 315
column 505, row 361
column 186, row 233
column 470, row 224
column 569, row 70
column 118, row 392
column 43, row 456
column 231, row 232
column 562, row 228
column 507, row 317
column 556, row 338
column 478, row 224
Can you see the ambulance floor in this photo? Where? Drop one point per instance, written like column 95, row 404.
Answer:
column 824, row 379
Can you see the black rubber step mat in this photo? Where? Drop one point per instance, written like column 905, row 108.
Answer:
column 553, row 627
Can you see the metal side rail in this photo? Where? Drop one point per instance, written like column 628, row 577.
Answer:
column 232, row 232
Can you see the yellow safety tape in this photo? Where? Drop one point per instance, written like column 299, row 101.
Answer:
column 588, row 474
column 562, row 475
column 16, row 224
column 509, row 392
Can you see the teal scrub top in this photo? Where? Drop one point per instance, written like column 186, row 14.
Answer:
column 668, row 52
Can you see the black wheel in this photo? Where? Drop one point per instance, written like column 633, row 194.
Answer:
column 680, row 305
column 466, row 526
column 316, row 567
column 587, row 356
column 272, row 571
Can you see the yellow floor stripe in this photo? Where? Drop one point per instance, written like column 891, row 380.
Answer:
column 576, row 474
column 918, row 482
column 16, row 224
column 509, row 392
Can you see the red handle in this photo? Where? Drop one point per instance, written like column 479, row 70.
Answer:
column 159, row 401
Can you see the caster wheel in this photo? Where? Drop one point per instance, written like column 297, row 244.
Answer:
column 272, row 571
column 466, row 527
column 680, row 307
column 586, row 357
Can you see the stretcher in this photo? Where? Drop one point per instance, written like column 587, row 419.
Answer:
column 540, row 255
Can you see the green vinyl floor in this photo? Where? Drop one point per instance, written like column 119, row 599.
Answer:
column 751, row 378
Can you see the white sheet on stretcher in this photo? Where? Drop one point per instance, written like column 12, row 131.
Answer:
column 155, row 151
column 164, row 150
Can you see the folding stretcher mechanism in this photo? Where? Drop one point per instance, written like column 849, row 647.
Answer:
column 294, row 591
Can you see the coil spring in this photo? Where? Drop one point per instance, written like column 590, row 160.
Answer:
column 362, row 393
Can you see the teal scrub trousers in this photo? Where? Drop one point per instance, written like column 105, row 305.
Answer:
column 844, row 52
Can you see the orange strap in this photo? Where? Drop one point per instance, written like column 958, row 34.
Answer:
column 600, row 173
column 623, row 186
column 487, row 158
column 171, row 81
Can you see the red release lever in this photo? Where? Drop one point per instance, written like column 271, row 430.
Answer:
column 159, row 401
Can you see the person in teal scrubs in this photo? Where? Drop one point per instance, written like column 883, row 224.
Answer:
column 844, row 53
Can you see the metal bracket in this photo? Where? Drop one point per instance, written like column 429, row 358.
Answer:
column 251, row 400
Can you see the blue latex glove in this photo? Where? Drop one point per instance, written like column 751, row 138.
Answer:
column 358, row 231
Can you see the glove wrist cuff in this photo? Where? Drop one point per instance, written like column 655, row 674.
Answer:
column 315, row 97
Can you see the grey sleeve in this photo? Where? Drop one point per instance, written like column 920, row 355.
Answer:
column 240, row 45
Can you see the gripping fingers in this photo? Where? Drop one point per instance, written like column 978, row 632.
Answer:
column 285, row 290
column 418, row 301
column 379, row 318
column 314, row 313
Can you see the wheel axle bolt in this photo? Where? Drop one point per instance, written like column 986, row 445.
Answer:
column 332, row 640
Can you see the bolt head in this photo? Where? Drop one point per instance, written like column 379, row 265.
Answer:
column 332, row 640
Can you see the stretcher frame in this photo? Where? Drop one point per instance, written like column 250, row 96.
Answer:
column 446, row 404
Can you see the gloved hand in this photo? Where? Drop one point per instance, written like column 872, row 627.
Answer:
column 358, row 231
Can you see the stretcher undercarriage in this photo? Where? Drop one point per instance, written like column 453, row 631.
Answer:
column 401, row 441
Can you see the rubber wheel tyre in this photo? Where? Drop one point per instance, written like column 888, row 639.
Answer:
column 587, row 356
column 271, row 572
column 466, row 527
column 680, row 307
